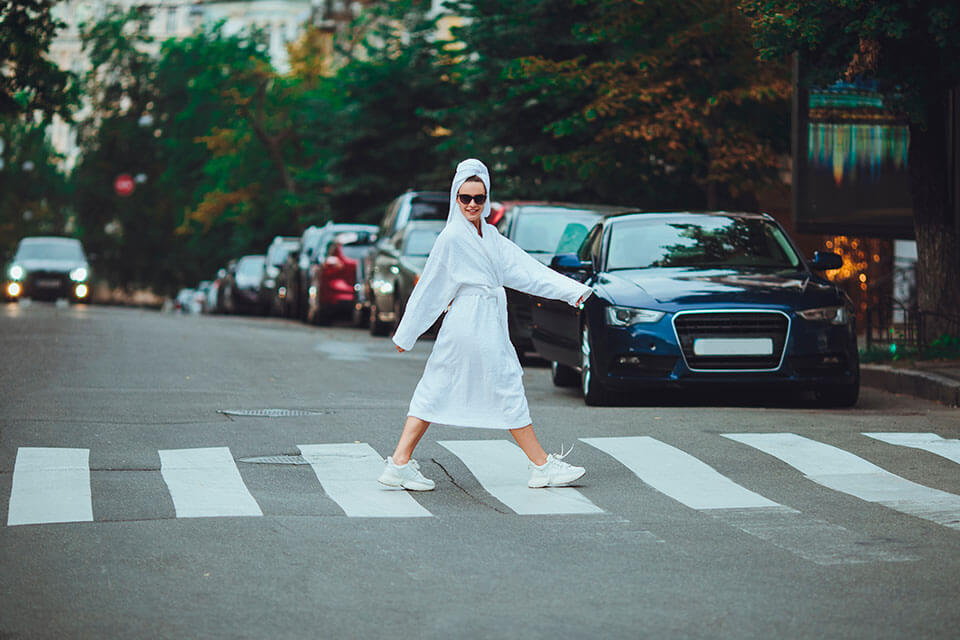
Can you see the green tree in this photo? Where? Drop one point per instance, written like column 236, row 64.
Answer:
column 377, row 115
column 912, row 50
column 29, row 81
column 34, row 195
column 503, row 115
column 673, row 104
column 130, row 235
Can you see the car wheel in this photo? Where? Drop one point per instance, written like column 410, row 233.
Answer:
column 837, row 396
column 562, row 375
column 593, row 393
column 377, row 328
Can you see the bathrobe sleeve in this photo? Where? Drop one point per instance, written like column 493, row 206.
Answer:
column 525, row 273
column 430, row 297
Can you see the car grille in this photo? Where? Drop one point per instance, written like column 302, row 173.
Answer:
column 41, row 283
column 732, row 324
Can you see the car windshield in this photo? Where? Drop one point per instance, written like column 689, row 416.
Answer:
column 251, row 266
column 699, row 241
column 52, row 250
column 422, row 209
column 552, row 229
column 278, row 253
column 419, row 242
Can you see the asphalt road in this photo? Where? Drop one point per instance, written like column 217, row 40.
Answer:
column 698, row 517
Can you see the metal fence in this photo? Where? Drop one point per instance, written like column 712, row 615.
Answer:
column 891, row 321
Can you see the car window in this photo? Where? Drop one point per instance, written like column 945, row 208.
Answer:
column 278, row 253
column 541, row 229
column 587, row 247
column 53, row 250
column 702, row 241
column 423, row 209
column 572, row 237
column 419, row 242
column 250, row 266
column 355, row 251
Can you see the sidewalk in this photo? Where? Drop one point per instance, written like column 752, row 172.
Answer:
column 937, row 380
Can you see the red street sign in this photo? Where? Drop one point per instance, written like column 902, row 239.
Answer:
column 123, row 185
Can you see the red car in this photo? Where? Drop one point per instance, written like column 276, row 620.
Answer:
column 333, row 281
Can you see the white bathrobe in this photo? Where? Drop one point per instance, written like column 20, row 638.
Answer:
column 472, row 377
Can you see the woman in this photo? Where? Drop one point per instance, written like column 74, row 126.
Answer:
column 472, row 377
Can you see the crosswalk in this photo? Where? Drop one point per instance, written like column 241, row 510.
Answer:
column 52, row 485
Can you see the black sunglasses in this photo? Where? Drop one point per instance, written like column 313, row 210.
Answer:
column 466, row 198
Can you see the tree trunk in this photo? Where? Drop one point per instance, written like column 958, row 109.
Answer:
column 938, row 247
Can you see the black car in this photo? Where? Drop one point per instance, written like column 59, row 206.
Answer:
column 243, row 286
column 278, row 251
column 49, row 268
column 700, row 300
column 292, row 282
column 542, row 229
column 396, row 266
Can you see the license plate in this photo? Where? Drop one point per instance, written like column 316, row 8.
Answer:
column 733, row 346
column 48, row 284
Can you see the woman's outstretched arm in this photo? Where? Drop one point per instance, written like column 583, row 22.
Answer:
column 527, row 274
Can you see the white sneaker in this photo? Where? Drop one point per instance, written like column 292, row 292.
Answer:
column 407, row 476
column 554, row 472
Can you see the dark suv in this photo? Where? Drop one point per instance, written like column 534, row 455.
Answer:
column 48, row 268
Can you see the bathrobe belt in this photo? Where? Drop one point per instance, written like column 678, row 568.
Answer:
column 483, row 291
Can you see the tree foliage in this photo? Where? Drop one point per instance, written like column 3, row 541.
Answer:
column 912, row 50
column 29, row 81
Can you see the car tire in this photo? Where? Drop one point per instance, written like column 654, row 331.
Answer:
column 594, row 394
column 839, row 396
column 562, row 375
column 377, row 328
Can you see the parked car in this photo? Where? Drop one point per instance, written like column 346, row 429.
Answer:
column 244, row 286
column 48, row 268
column 333, row 288
column 687, row 300
column 205, row 294
column 414, row 205
column 321, row 245
column 292, row 281
column 187, row 301
column 542, row 229
column 396, row 267
column 280, row 247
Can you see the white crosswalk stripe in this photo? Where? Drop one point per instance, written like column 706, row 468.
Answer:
column 501, row 469
column 844, row 472
column 206, row 483
column 50, row 485
column 348, row 474
column 699, row 486
column 949, row 449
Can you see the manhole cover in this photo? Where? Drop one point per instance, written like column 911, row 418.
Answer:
column 275, row 460
column 270, row 413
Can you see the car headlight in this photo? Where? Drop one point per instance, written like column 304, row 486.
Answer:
column 833, row 315
column 626, row 316
column 17, row 272
column 79, row 274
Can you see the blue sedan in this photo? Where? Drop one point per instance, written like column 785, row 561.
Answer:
column 688, row 300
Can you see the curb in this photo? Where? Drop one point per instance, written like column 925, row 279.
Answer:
column 923, row 384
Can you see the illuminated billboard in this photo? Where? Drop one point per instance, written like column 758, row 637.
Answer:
column 850, row 173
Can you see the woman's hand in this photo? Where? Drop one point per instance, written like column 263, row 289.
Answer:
column 399, row 350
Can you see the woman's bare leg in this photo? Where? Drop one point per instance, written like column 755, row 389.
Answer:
column 527, row 440
column 413, row 430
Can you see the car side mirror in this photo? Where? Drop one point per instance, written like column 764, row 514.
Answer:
column 825, row 261
column 570, row 262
